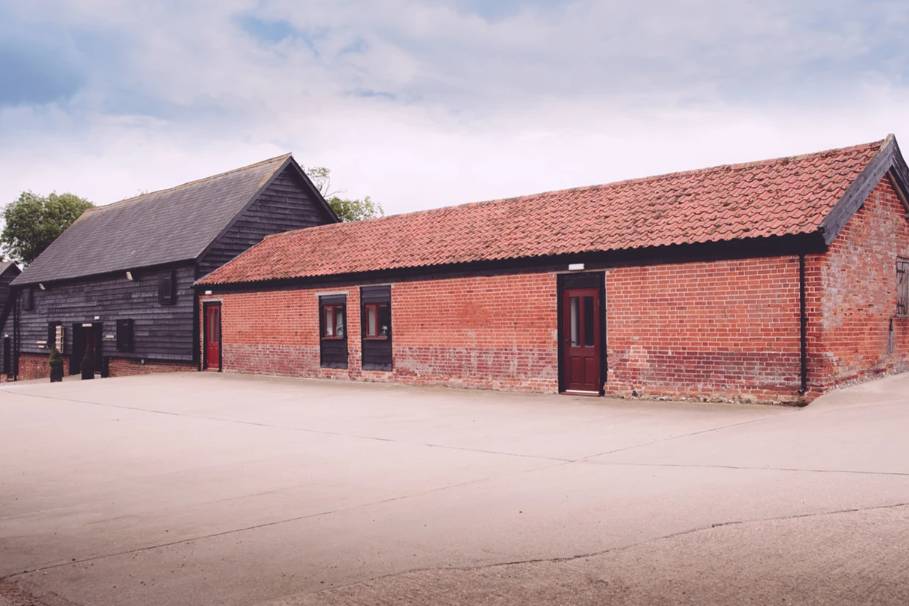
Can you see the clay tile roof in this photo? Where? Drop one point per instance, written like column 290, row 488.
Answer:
column 785, row 196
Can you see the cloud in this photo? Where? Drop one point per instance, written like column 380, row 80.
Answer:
column 422, row 104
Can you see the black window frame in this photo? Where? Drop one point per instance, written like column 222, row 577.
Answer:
column 126, row 335
column 333, row 351
column 376, row 352
column 167, row 288
column 383, row 320
column 902, row 287
column 28, row 299
column 338, row 310
column 52, row 334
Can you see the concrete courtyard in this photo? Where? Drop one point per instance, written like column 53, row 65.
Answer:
column 217, row 489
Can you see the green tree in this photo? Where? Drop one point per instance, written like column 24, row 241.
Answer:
column 32, row 222
column 347, row 209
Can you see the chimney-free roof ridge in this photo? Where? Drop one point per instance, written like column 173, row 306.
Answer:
column 881, row 143
column 789, row 196
column 194, row 182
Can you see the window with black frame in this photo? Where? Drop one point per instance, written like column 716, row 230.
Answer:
column 902, row 287
column 376, row 322
column 333, row 331
column 125, row 336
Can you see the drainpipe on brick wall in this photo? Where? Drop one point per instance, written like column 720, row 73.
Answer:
column 803, row 329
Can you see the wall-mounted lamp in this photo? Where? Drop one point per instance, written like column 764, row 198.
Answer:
column 129, row 276
column 97, row 317
column 575, row 267
column 207, row 292
column 41, row 286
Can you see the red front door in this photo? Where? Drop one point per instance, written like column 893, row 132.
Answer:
column 580, row 334
column 213, row 337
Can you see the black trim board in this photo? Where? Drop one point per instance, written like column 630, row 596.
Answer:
column 888, row 160
column 712, row 251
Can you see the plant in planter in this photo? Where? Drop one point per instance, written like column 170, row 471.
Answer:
column 88, row 364
column 55, row 361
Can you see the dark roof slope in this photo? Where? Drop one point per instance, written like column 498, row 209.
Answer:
column 166, row 226
column 778, row 197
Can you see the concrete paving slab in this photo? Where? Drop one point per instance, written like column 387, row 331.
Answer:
column 205, row 488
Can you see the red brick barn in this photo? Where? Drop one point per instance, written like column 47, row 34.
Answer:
column 768, row 281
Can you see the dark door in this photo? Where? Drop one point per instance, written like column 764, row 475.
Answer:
column 580, row 334
column 96, row 334
column 213, row 336
column 86, row 336
column 7, row 353
column 75, row 356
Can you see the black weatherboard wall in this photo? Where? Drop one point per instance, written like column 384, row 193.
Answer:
column 285, row 205
column 8, row 272
column 160, row 331
column 112, row 265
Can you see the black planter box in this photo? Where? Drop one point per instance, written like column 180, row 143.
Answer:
column 56, row 372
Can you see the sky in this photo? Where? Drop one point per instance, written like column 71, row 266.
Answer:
column 424, row 104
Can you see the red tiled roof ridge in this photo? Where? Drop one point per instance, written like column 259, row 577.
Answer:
column 880, row 143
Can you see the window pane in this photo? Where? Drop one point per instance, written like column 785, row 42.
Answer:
column 902, row 293
column 372, row 321
column 329, row 321
column 339, row 321
column 384, row 321
column 588, row 321
column 573, row 304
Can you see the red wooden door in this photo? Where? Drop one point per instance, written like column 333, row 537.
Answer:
column 213, row 336
column 580, row 333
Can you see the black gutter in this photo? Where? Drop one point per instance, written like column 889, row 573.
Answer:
column 803, row 329
column 739, row 249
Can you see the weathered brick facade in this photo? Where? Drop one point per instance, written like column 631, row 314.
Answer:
column 717, row 329
column 124, row 367
column 33, row 366
column 854, row 331
column 494, row 332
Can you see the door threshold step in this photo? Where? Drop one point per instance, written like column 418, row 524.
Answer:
column 580, row 392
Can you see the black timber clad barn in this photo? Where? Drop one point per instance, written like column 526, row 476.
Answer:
column 119, row 280
column 8, row 272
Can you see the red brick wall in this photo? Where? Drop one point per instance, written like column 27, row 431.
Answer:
column 124, row 367
column 488, row 332
column 493, row 332
column 720, row 329
column 856, row 296
column 34, row 366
